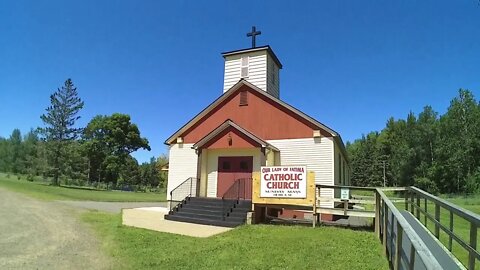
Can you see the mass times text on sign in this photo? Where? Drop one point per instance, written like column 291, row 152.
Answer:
column 283, row 182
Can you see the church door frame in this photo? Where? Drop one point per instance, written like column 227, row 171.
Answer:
column 231, row 168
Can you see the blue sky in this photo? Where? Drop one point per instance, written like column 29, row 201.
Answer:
column 349, row 64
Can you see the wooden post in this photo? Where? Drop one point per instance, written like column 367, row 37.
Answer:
column 411, row 202
column 392, row 223
column 451, row 230
column 384, row 229
column 314, row 216
column 398, row 247
column 345, row 207
column 377, row 214
column 406, row 200
column 426, row 211
column 437, row 218
column 473, row 244
column 411, row 264
column 418, row 208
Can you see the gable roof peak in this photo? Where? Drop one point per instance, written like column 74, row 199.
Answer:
column 231, row 91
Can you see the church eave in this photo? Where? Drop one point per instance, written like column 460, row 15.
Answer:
column 266, row 47
column 229, row 123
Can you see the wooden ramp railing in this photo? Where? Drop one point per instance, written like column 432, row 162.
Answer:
column 398, row 213
column 437, row 213
column 360, row 201
column 402, row 245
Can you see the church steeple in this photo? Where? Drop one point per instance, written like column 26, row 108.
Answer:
column 258, row 65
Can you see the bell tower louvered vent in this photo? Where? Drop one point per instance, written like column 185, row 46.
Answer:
column 244, row 69
column 259, row 66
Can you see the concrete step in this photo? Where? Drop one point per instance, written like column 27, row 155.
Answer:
column 202, row 206
column 210, row 217
column 221, row 223
column 210, row 211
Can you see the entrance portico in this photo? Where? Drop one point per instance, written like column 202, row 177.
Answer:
column 227, row 154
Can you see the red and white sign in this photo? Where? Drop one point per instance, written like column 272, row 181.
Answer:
column 283, row 182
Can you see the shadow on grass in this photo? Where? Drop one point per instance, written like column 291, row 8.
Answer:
column 308, row 223
column 83, row 188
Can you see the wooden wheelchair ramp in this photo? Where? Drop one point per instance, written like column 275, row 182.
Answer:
column 441, row 254
column 408, row 244
column 401, row 215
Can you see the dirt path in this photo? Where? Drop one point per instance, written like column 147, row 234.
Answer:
column 45, row 235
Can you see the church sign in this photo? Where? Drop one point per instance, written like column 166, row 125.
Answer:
column 283, row 182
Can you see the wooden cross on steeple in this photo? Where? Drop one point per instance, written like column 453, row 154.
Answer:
column 253, row 34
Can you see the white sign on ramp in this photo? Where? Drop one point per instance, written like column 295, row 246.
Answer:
column 283, row 182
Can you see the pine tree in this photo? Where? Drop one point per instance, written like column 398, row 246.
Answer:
column 59, row 125
column 15, row 151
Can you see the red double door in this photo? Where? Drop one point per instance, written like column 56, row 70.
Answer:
column 231, row 169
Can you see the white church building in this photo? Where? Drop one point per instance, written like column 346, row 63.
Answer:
column 249, row 126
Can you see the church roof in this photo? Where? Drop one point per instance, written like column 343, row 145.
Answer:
column 231, row 91
column 266, row 47
column 229, row 123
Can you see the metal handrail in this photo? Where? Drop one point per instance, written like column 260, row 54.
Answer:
column 403, row 227
column 230, row 198
column 191, row 191
column 239, row 189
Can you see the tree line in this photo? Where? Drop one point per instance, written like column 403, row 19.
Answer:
column 98, row 154
column 438, row 153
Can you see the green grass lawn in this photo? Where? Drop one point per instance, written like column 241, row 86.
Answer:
column 246, row 247
column 44, row 191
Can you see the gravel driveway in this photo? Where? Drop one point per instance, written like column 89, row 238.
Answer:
column 45, row 235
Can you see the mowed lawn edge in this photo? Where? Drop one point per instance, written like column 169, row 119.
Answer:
column 245, row 247
column 43, row 191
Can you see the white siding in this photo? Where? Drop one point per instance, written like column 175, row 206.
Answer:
column 273, row 79
column 315, row 153
column 258, row 71
column 336, row 169
column 341, row 168
column 182, row 165
column 212, row 164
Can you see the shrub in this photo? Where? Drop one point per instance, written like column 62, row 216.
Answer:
column 472, row 183
column 426, row 184
column 102, row 185
column 81, row 182
column 30, row 177
column 111, row 186
column 67, row 182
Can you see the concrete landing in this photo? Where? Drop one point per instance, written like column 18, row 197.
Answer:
column 152, row 218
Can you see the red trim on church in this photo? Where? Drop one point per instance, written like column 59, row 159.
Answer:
column 262, row 116
column 230, row 138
